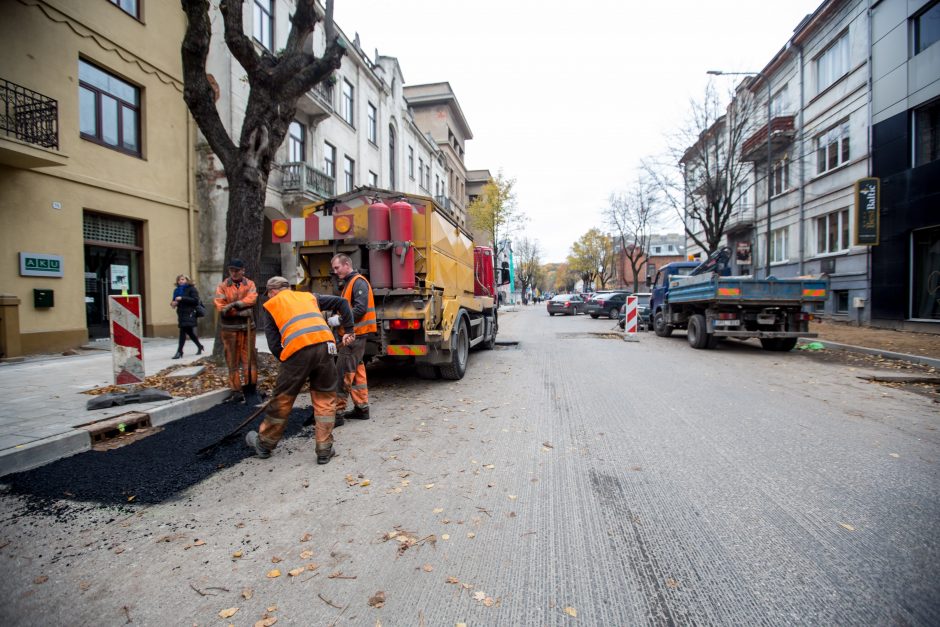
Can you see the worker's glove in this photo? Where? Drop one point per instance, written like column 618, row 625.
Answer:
column 333, row 321
column 227, row 308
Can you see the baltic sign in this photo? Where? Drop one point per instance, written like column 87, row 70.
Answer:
column 867, row 211
column 37, row 264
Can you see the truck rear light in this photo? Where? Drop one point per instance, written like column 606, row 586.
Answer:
column 727, row 316
column 404, row 325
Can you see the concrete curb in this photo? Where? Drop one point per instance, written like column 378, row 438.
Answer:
column 914, row 359
column 46, row 450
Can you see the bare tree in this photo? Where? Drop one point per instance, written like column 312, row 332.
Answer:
column 528, row 263
column 700, row 175
column 633, row 215
column 276, row 82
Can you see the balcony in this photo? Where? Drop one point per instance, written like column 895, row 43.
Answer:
column 443, row 201
column 317, row 102
column 307, row 182
column 782, row 132
column 741, row 218
column 29, row 128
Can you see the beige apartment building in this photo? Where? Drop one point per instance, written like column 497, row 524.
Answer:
column 95, row 168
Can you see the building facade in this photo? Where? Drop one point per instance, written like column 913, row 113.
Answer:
column 96, row 190
column 906, row 157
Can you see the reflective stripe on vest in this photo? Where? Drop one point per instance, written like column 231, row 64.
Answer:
column 299, row 320
column 366, row 324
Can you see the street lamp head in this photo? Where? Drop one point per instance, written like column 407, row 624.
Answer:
column 714, row 72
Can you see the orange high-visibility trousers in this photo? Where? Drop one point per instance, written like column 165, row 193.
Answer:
column 240, row 358
column 352, row 371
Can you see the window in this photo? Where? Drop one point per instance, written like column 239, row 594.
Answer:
column 128, row 6
column 348, row 168
column 296, row 145
column 421, row 171
column 781, row 179
column 373, row 179
column 832, row 232
column 329, row 160
column 780, row 103
column 411, row 162
column 348, row 102
column 427, row 176
column 832, row 148
column 925, row 273
column 373, row 125
column 657, row 250
column 437, row 185
column 778, row 245
column 391, row 157
column 264, row 23
column 840, row 301
column 833, row 63
column 926, row 28
column 927, row 133
column 109, row 109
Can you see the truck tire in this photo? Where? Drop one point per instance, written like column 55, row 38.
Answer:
column 778, row 344
column 696, row 334
column 659, row 325
column 459, row 352
column 490, row 343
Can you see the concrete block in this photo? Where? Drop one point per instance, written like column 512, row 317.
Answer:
column 40, row 452
column 186, row 407
column 185, row 373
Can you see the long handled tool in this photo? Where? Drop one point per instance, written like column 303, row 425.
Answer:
column 226, row 438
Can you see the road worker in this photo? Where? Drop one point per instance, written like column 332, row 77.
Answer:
column 235, row 299
column 299, row 336
column 357, row 291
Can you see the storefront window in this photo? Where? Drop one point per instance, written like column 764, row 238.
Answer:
column 925, row 271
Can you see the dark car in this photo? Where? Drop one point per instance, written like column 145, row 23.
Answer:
column 567, row 304
column 642, row 311
column 606, row 304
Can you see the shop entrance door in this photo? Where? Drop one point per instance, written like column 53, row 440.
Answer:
column 112, row 267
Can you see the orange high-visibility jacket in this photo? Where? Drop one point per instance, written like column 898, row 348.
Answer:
column 299, row 321
column 366, row 324
column 227, row 292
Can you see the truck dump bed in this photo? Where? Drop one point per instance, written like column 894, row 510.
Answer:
column 711, row 288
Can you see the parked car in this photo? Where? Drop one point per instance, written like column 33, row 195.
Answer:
column 642, row 311
column 567, row 304
column 606, row 303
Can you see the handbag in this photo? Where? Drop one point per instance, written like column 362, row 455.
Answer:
column 200, row 309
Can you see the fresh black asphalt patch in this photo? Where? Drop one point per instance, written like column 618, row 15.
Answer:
column 149, row 471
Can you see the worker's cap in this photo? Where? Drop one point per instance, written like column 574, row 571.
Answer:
column 236, row 263
column 277, row 282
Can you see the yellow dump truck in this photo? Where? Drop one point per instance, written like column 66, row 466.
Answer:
column 434, row 291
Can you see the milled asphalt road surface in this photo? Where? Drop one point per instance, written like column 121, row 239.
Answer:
column 571, row 479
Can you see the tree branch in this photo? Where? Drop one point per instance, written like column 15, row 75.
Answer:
column 238, row 43
column 197, row 91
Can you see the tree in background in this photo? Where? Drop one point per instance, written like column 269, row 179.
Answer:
column 592, row 258
column 276, row 82
column 494, row 211
column 702, row 176
column 528, row 263
column 632, row 215
column 565, row 278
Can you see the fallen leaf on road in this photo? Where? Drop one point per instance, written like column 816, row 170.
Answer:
column 306, row 537
column 247, row 593
column 266, row 622
column 237, row 554
column 131, row 498
column 295, row 572
column 479, row 595
column 471, row 535
column 445, row 536
column 461, row 624
column 438, row 510
column 228, row 613
column 199, row 542
column 271, row 608
column 274, row 573
column 364, row 483
column 428, row 486
column 377, row 600
column 427, row 568
column 547, row 445
column 671, row 583
column 489, row 466
column 119, row 550
column 305, row 555
column 311, row 566
column 894, row 455
column 570, row 611
column 276, row 560
column 41, row 579
column 512, row 497
column 488, row 602
column 452, row 580
column 847, row 526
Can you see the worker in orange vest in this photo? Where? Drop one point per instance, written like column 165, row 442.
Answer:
column 352, row 369
column 299, row 336
column 235, row 299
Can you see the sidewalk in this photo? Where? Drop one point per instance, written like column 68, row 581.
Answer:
column 43, row 404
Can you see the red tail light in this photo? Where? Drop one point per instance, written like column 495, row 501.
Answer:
column 727, row 316
column 404, row 325
column 567, row 304
column 802, row 316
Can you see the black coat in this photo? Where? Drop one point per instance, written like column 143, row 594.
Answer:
column 186, row 307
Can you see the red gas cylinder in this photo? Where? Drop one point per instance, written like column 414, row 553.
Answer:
column 380, row 261
column 403, row 255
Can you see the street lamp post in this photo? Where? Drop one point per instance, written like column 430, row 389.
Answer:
column 770, row 171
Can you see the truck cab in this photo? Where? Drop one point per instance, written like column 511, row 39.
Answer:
column 660, row 285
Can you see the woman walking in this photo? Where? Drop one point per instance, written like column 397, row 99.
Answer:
column 185, row 301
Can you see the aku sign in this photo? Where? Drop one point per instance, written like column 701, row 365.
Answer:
column 867, row 211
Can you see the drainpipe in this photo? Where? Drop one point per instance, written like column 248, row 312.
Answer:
column 869, row 170
column 190, row 191
column 801, row 156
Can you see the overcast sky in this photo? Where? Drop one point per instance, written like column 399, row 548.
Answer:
column 568, row 97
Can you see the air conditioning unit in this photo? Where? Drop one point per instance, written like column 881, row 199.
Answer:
column 828, row 265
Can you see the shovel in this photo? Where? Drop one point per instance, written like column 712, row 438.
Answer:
column 207, row 449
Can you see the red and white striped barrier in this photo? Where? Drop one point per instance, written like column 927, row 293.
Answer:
column 630, row 320
column 127, row 347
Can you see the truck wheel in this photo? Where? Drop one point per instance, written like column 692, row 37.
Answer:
column 697, row 336
column 459, row 352
column 659, row 325
column 427, row 371
column 490, row 343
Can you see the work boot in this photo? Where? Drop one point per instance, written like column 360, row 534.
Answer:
column 356, row 413
column 236, row 397
column 251, row 439
column 251, row 394
column 325, row 455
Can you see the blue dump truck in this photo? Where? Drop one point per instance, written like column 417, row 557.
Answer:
column 709, row 304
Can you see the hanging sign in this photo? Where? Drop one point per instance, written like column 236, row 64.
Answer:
column 867, row 211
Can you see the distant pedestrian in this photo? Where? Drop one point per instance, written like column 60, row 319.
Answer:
column 235, row 299
column 299, row 336
column 185, row 300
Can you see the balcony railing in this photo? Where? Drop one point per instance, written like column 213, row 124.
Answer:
column 443, row 201
column 754, row 147
column 28, row 116
column 741, row 217
column 301, row 178
column 324, row 91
